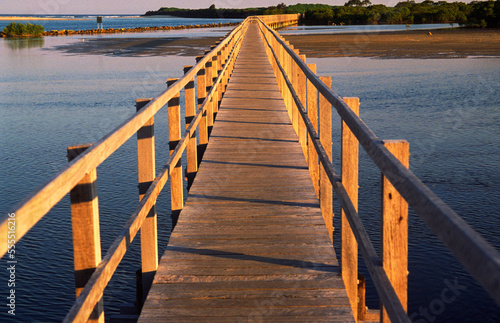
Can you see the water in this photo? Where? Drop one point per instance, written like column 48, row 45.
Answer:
column 85, row 22
column 447, row 109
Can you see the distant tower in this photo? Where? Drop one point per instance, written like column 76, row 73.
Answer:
column 99, row 22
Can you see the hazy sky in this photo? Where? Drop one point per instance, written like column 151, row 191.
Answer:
column 54, row 7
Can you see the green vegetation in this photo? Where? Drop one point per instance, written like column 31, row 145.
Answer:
column 362, row 12
column 476, row 14
column 23, row 30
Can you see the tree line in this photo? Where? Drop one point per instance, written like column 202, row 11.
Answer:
column 362, row 12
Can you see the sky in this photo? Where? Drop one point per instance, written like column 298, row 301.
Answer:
column 59, row 7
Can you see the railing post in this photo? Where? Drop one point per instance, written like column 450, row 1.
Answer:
column 301, row 92
column 146, row 174
column 325, row 136
column 394, row 235
column 190, row 112
column 209, row 82
column 203, row 125
column 349, row 254
column 86, row 233
column 294, row 73
column 312, row 112
column 174, row 135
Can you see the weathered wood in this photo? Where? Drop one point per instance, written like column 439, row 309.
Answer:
column 325, row 136
column 202, row 93
column 190, row 112
column 312, row 112
column 174, row 135
column 240, row 234
column 85, row 227
column 350, row 161
column 394, row 233
column 146, row 174
column 301, row 91
column 472, row 250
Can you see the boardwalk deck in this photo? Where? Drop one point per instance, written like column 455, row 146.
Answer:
column 251, row 243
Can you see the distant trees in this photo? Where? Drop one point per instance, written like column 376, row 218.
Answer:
column 19, row 29
column 476, row 13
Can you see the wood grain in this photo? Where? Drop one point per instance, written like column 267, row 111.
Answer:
column 250, row 240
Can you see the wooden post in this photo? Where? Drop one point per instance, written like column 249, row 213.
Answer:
column 147, row 174
column 174, row 135
column 301, row 92
column 190, row 112
column 86, row 235
column 349, row 254
column 294, row 72
column 210, row 106
column 325, row 136
column 312, row 112
column 203, row 125
column 221, row 83
column 395, row 229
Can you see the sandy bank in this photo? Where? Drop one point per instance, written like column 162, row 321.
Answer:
column 440, row 43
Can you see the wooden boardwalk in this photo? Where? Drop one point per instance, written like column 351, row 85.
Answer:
column 251, row 243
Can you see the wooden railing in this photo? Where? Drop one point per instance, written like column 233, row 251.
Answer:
column 309, row 99
column 211, row 75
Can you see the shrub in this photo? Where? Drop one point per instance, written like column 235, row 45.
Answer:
column 19, row 29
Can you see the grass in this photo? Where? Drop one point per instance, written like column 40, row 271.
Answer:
column 23, row 30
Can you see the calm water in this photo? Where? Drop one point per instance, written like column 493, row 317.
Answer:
column 447, row 109
column 84, row 22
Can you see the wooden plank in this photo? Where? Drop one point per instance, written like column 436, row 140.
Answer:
column 252, row 227
column 350, row 160
column 394, row 235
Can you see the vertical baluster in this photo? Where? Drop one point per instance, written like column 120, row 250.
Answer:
column 86, row 233
column 312, row 112
column 174, row 135
column 190, row 112
column 146, row 174
column 301, row 92
column 325, row 136
column 395, row 229
column 350, row 153
column 203, row 125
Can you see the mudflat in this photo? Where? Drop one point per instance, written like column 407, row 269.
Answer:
column 441, row 43
column 438, row 43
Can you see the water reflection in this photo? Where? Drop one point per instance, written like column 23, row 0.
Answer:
column 25, row 43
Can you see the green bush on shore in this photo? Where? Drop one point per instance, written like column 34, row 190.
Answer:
column 19, row 29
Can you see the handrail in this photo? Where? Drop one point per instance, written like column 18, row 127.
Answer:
column 373, row 262
column 35, row 206
column 471, row 249
column 90, row 295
